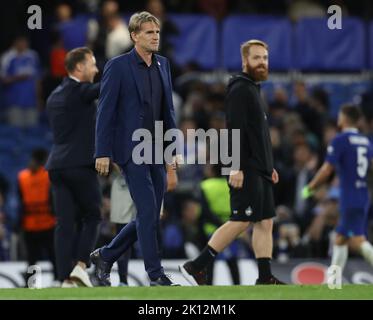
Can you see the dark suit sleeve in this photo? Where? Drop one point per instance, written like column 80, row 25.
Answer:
column 89, row 91
column 107, row 104
column 173, row 122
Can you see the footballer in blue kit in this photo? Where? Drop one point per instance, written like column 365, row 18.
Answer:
column 350, row 155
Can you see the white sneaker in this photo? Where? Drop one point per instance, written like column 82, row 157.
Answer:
column 56, row 284
column 80, row 276
column 69, row 284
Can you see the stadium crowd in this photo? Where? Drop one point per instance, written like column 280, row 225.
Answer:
column 300, row 120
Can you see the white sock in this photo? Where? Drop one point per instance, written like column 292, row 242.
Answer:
column 366, row 251
column 340, row 255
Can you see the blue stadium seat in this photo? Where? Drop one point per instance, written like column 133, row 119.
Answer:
column 31, row 143
column 40, row 132
column 196, row 41
column 74, row 32
column 338, row 95
column 275, row 31
column 7, row 131
column 6, row 144
column 358, row 88
column 319, row 48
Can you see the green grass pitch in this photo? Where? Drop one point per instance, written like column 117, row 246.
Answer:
column 290, row 292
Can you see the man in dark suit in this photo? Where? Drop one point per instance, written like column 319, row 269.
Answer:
column 76, row 193
column 136, row 91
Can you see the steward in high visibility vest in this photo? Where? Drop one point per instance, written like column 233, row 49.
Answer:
column 36, row 216
column 216, row 210
column 216, row 193
column 34, row 188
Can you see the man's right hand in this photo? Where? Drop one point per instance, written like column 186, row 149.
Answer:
column 103, row 165
column 236, row 179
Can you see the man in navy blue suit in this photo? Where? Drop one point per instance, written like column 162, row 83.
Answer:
column 136, row 91
column 71, row 111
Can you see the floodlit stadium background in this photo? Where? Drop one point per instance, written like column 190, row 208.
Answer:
column 313, row 70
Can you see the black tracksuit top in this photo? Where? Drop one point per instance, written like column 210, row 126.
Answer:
column 245, row 110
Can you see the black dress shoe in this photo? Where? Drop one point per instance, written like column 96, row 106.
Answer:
column 272, row 280
column 102, row 269
column 195, row 278
column 163, row 280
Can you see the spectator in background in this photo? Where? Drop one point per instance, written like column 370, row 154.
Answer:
column 192, row 226
column 118, row 39
column 286, row 234
column 312, row 109
column 330, row 130
column 57, row 58
column 195, row 102
column 282, row 161
column 63, row 13
column 122, row 211
column 303, row 106
column 57, row 69
column 326, row 214
column 216, row 210
column 106, row 227
column 97, row 28
column 279, row 106
column 72, row 30
column 191, row 172
column 182, row 235
column 169, row 29
column 108, row 36
column 36, row 214
column 20, row 74
column 305, row 164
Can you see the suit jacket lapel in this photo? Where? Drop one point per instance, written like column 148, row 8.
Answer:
column 136, row 75
column 164, row 77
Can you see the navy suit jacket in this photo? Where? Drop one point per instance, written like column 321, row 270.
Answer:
column 121, row 107
column 72, row 115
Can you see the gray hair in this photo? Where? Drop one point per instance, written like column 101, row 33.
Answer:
column 138, row 19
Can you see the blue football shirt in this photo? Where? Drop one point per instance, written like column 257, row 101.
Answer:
column 350, row 153
column 21, row 93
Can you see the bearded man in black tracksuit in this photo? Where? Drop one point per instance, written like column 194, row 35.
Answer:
column 251, row 185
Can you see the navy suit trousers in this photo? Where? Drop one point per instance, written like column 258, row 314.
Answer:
column 147, row 185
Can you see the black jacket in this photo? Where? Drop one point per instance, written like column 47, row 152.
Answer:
column 72, row 115
column 245, row 111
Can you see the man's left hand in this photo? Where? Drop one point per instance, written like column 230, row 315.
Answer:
column 171, row 179
column 176, row 161
column 275, row 177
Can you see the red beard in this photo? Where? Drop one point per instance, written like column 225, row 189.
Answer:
column 260, row 73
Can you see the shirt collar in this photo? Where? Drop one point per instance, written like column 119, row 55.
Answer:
column 353, row 130
column 74, row 78
column 141, row 60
